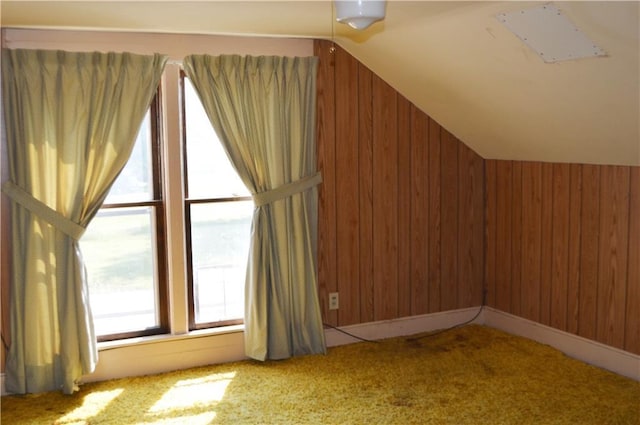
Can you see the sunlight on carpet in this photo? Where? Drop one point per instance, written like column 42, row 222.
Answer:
column 471, row 375
column 93, row 404
column 207, row 390
column 200, row 419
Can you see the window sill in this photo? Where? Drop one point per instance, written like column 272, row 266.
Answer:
column 155, row 339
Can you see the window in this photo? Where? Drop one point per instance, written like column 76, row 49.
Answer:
column 124, row 247
column 218, row 212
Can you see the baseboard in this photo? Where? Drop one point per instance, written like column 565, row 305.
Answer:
column 167, row 354
column 164, row 354
column 181, row 352
column 606, row 357
column 401, row 327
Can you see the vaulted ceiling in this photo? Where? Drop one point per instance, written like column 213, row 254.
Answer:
column 455, row 60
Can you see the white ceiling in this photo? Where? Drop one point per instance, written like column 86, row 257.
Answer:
column 452, row 59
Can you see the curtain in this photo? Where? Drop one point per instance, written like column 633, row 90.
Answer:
column 263, row 109
column 71, row 120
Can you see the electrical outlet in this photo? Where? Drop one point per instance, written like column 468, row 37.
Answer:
column 334, row 301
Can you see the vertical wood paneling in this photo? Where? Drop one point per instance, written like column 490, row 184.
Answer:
column 546, row 255
column 465, row 227
column 468, row 179
column 578, row 230
column 575, row 235
column 435, row 214
column 365, row 136
column 405, row 281
column 420, row 232
column 531, row 239
column 632, row 329
column 449, row 219
column 386, row 179
column 477, row 241
column 559, row 246
column 491, row 237
column 346, row 170
column 612, row 273
column 385, row 201
column 589, row 250
column 327, row 190
column 516, row 235
column 412, row 221
column 559, row 241
column 503, row 231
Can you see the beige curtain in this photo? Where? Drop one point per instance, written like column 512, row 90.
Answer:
column 263, row 109
column 71, row 120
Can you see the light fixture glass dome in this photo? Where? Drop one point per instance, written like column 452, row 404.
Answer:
column 359, row 14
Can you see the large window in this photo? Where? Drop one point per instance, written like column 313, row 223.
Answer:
column 124, row 248
column 125, row 245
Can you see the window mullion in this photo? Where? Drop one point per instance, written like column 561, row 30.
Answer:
column 174, row 205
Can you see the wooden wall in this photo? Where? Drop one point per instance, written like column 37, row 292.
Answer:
column 401, row 207
column 563, row 247
column 401, row 221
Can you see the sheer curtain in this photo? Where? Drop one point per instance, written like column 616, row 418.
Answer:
column 263, row 109
column 71, row 120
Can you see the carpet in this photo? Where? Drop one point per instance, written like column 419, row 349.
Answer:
column 469, row 375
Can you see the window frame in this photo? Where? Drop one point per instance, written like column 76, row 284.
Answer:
column 160, row 228
column 228, row 340
column 188, row 202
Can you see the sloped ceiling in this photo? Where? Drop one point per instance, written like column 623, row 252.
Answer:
column 452, row 59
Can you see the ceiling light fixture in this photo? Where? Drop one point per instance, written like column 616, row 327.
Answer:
column 359, row 14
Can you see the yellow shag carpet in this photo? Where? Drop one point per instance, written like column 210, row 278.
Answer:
column 471, row 375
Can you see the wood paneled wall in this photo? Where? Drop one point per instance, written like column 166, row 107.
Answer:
column 401, row 207
column 563, row 247
column 401, row 221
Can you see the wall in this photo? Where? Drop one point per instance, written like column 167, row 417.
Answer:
column 401, row 207
column 176, row 46
column 563, row 247
column 400, row 226
column 402, row 210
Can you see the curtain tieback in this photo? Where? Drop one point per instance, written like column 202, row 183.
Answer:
column 43, row 211
column 286, row 190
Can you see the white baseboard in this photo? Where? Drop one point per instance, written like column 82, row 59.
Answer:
column 589, row 351
column 145, row 356
column 163, row 354
column 592, row 352
column 401, row 327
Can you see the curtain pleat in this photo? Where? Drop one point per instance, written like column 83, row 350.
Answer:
column 71, row 121
column 263, row 109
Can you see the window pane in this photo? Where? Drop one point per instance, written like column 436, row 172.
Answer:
column 118, row 249
column 220, row 247
column 135, row 182
column 209, row 172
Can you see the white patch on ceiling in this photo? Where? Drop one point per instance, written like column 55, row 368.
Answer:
column 550, row 34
